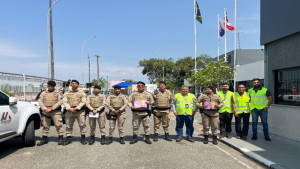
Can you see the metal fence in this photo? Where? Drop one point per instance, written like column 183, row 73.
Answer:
column 24, row 87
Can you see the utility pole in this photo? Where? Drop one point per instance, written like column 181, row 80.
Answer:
column 51, row 40
column 89, row 69
column 98, row 72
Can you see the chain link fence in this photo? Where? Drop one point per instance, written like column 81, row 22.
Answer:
column 25, row 87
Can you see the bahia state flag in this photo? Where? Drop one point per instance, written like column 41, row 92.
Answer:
column 228, row 25
column 221, row 30
column 198, row 13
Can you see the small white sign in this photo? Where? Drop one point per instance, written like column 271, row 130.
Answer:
column 91, row 114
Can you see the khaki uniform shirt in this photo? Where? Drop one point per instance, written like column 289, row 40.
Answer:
column 96, row 98
column 145, row 94
column 209, row 98
column 120, row 99
column 74, row 99
column 167, row 94
column 51, row 100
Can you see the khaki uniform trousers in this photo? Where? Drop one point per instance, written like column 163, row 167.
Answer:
column 164, row 118
column 57, row 120
column 112, row 123
column 137, row 118
column 70, row 119
column 210, row 119
column 101, row 123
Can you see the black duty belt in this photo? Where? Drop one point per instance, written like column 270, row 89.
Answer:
column 157, row 108
column 135, row 110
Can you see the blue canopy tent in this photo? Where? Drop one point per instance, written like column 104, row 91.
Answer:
column 125, row 84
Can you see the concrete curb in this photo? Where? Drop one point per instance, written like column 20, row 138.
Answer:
column 252, row 155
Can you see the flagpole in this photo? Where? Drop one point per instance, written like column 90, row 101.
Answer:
column 225, row 27
column 195, row 33
column 234, row 75
column 218, row 37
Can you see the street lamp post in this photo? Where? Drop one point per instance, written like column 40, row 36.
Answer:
column 82, row 50
column 50, row 41
column 98, row 71
column 163, row 62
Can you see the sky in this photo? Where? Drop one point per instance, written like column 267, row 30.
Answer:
column 126, row 32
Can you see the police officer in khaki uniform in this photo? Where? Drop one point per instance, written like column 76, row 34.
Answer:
column 74, row 101
column 96, row 104
column 117, row 104
column 139, row 102
column 161, row 111
column 50, row 102
column 210, row 102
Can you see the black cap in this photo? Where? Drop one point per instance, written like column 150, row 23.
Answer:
column 163, row 82
column 51, row 83
column 76, row 81
column 140, row 82
column 97, row 87
column 117, row 87
column 210, row 87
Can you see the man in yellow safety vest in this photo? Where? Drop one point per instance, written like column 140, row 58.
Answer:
column 184, row 109
column 261, row 99
column 241, row 109
column 225, row 112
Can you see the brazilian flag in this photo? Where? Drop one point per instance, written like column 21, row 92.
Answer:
column 198, row 13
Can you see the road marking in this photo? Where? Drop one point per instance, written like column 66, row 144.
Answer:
column 233, row 157
column 197, row 123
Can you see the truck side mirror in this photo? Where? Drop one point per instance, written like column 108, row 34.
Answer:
column 13, row 100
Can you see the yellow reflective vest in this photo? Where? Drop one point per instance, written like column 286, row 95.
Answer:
column 241, row 103
column 184, row 105
column 259, row 99
column 227, row 102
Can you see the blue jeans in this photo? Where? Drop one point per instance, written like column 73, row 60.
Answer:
column 264, row 119
column 238, row 126
column 188, row 120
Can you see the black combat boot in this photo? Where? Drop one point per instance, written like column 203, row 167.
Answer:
column 68, row 140
column 215, row 140
column 147, row 140
column 167, row 137
column 122, row 140
column 102, row 140
column 60, row 140
column 205, row 141
column 155, row 138
column 134, row 139
column 109, row 140
column 92, row 140
column 82, row 140
column 44, row 141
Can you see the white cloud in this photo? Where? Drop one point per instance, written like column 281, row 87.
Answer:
column 8, row 49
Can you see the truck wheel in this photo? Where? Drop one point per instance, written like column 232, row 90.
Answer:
column 28, row 137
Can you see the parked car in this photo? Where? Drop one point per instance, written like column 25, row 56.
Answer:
column 18, row 119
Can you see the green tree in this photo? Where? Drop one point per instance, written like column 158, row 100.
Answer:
column 184, row 68
column 213, row 74
column 155, row 67
column 102, row 82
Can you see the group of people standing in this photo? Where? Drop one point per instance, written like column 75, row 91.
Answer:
column 219, row 109
column 213, row 108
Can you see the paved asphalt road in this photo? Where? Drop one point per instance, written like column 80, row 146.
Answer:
column 161, row 154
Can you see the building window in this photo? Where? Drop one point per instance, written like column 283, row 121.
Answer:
column 229, row 58
column 287, row 86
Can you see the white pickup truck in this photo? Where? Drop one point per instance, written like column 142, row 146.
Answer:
column 18, row 119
